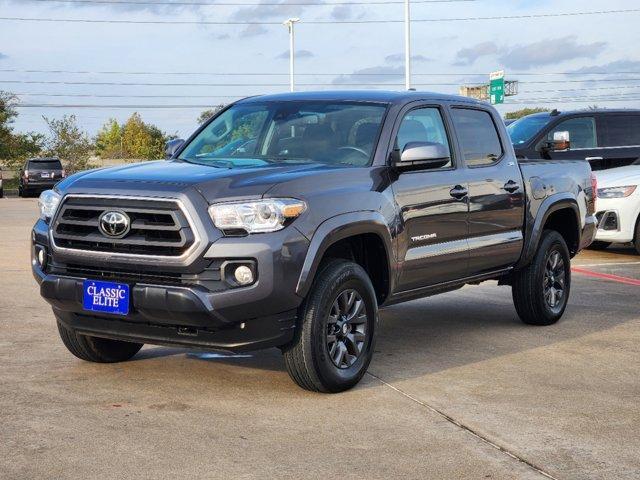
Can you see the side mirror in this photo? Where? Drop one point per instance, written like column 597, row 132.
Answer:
column 171, row 147
column 423, row 155
column 561, row 141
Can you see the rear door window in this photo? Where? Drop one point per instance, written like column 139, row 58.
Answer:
column 582, row 132
column 478, row 136
column 620, row 130
column 45, row 165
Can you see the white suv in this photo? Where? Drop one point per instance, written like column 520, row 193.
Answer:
column 618, row 206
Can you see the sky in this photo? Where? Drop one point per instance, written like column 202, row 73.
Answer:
column 201, row 64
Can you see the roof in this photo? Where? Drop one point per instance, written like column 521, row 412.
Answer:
column 583, row 111
column 383, row 96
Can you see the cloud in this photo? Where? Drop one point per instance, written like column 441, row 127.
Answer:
column 379, row 74
column 283, row 10
column 252, row 30
column 222, row 36
column 165, row 8
column 300, row 54
column 399, row 58
column 623, row 66
column 551, row 51
column 3, row 56
column 345, row 12
column 468, row 55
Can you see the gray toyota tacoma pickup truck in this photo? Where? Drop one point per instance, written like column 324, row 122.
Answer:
column 288, row 220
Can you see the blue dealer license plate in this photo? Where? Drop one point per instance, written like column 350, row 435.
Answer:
column 105, row 297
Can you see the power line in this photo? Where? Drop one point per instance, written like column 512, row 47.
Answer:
column 216, row 4
column 313, row 22
column 359, row 74
column 140, row 107
column 91, row 95
column 334, row 85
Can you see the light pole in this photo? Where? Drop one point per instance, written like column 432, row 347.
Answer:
column 289, row 24
column 407, row 45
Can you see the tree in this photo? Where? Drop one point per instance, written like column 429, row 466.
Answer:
column 524, row 112
column 207, row 114
column 109, row 140
column 15, row 147
column 69, row 143
column 142, row 141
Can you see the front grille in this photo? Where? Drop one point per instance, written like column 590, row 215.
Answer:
column 209, row 278
column 158, row 227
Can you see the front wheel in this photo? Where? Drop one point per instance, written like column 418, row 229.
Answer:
column 96, row 349
column 598, row 245
column 336, row 332
column 541, row 290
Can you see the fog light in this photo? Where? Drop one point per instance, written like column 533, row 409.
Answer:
column 41, row 256
column 243, row 275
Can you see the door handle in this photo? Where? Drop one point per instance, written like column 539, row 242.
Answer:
column 458, row 192
column 511, row 186
column 589, row 159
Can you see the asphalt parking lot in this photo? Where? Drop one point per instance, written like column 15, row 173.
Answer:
column 458, row 388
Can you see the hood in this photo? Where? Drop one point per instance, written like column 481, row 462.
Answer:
column 619, row 177
column 177, row 176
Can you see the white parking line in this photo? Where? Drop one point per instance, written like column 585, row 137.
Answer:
column 605, row 264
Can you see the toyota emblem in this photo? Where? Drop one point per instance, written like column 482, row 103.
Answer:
column 114, row 224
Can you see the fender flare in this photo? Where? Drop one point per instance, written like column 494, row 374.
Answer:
column 549, row 206
column 340, row 227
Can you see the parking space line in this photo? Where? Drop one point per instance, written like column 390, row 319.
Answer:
column 607, row 264
column 606, row 276
column 466, row 428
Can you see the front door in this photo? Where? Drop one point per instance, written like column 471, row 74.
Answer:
column 433, row 205
column 496, row 193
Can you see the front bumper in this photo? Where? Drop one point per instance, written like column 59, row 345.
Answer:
column 625, row 212
column 187, row 312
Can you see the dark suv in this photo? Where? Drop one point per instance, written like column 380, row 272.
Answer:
column 38, row 174
column 605, row 138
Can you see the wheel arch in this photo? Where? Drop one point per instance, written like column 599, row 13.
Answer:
column 562, row 213
column 345, row 227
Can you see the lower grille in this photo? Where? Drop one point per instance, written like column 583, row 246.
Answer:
column 209, row 278
column 607, row 221
column 155, row 227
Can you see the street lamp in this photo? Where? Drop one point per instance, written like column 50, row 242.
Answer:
column 407, row 45
column 289, row 24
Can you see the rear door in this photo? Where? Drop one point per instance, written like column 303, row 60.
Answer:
column 496, row 194
column 432, row 204
column 45, row 169
column 619, row 139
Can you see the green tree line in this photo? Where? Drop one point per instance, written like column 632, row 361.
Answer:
column 131, row 140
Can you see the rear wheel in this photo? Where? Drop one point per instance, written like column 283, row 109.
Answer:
column 541, row 290
column 335, row 337
column 96, row 349
column 597, row 245
column 636, row 242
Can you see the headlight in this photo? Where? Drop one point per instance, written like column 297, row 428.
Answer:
column 48, row 203
column 616, row 192
column 261, row 216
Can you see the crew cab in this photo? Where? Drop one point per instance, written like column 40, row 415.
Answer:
column 288, row 221
column 606, row 138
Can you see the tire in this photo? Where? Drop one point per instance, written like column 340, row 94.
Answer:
column 96, row 349
column 336, row 332
column 597, row 245
column 636, row 241
column 20, row 191
column 533, row 297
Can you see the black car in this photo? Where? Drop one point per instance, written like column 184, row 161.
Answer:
column 605, row 138
column 39, row 174
column 286, row 220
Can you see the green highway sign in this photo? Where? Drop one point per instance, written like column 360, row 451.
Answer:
column 496, row 87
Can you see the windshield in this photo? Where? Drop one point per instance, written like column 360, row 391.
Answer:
column 257, row 134
column 524, row 129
